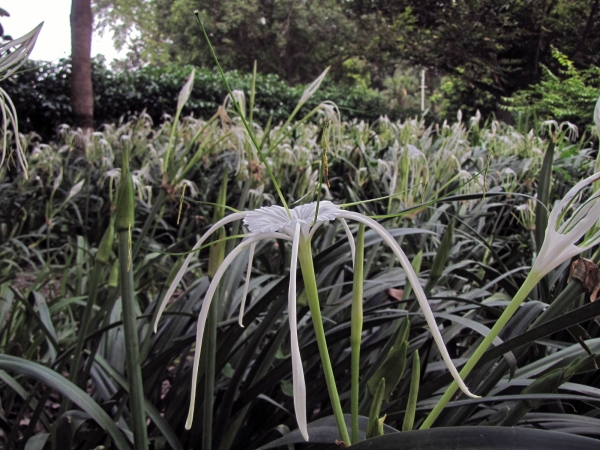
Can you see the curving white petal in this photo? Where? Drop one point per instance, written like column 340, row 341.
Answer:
column 350, row 240
column 205, row 308
column 186, row 263
column 418, row 290
column 297, row 371
column 247, row 284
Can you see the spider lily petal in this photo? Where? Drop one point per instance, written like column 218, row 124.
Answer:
column 562, row 234
column 206, row 305
column 247, row 284
column 297, row 371
column 186, row 263
column 350, row 239
column 420, row 294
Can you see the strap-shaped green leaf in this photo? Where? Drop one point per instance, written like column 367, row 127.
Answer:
column 69, row 390
column 478, row 438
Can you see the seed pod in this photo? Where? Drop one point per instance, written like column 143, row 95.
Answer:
column 125, row 212
column 105, row 247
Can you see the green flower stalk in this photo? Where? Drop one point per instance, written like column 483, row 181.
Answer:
column 560, row 245
column 298, row 226
column 124, row 222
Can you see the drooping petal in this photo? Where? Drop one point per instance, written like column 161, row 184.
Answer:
column 418, row 290
column 560, row 207
column 350, row 240
column 186, row 263
column 206, row 305
column 297, row 370
column 246, row 284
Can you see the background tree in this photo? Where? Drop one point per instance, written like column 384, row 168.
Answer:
column 488, row 49
column 82, row 95
column 294, row 39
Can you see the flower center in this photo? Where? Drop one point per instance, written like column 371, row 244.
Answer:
column 269, row 219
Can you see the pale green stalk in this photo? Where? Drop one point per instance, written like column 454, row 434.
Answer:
column 310, row 286
column 124, row 222
column 252, row 94
column 411, row 404
column 241, row 114
column 217, row 254
column 530, row 282
column 356, row 328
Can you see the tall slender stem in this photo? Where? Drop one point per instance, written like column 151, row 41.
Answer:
column 532, row 279
column 356, row 328
column 132, row 353
column 310, row 285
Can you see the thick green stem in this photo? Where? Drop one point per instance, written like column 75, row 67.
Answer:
column 531, row 281
column 310, row 285
column 356, row 328
column 132, row 353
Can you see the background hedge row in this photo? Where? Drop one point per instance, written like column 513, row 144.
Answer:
column 41, row 95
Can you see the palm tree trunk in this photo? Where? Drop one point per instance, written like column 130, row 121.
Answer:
column 82, row 96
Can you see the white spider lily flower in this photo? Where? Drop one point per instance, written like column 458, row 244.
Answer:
column 562, row 233
column 299, row 225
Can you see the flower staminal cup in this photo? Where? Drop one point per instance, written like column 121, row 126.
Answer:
column 561, row 243
column 298, row 226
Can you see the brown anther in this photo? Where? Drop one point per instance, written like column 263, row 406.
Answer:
column 226, row 121
column 254, row 169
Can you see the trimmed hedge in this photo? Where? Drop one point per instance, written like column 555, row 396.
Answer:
column 41, row 94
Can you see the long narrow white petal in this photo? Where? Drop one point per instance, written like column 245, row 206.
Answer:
column 206, row 305
column 297, row 371
column 418, row 290
column 247, row 284
column 350, row 240
column 562, row 204
column 587, row 216
column 186, row 263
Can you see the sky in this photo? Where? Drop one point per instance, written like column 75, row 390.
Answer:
column 54, row 40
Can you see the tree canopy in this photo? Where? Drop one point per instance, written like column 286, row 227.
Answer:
column 492, row 49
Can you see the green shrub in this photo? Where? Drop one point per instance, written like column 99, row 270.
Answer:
column 569, row 95
column 41, row 94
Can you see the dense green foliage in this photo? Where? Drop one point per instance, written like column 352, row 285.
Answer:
column 41, row 94
column 569, row 95
column 478, row 177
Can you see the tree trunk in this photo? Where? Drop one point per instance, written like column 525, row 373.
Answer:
column 82, row 96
